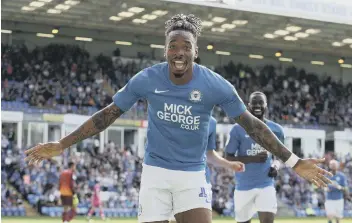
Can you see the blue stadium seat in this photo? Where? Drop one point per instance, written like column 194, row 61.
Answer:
column 15, row 211
column 23, row 212
column 347, row 213
column 45, row 210
column 322, row 212
column 85, row 210
column 226, row 212
column 51, row 213
column 8, row 212
column 3, row 211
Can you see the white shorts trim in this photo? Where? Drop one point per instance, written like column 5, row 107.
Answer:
column 247, row 203
column 334, row 208
column 166, row 192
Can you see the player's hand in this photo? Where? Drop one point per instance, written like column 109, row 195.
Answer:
column 43, row 151
column 261, row 157
column 308, row 169
column 237, row 166
column 272, row 172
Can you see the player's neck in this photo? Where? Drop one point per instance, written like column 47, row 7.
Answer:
column 185, row 79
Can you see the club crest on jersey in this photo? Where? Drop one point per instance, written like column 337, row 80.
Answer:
column 195, row 96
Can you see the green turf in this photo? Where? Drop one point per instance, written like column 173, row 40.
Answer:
column 130, row 220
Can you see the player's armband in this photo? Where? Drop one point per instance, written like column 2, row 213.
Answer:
column 291, row 162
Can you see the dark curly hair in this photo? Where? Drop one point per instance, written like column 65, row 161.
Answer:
column 189, row 23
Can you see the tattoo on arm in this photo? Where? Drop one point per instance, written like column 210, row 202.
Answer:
column 97, row 123
column 263, row 135
column 106, row 117
column 243, row 159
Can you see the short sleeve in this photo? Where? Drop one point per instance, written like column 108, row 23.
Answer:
column 212, row 136
column 130, row 93
column 230, row 102
column 281, row 135
column 234, row 143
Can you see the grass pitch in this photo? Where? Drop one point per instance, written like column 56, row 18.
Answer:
column 133, row 220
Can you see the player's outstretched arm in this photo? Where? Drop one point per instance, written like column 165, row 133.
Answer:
column 216, row 160
column 95, row 124
column 306, row 168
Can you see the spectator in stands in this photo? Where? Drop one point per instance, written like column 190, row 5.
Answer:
column 65, row 79
column 62, row 78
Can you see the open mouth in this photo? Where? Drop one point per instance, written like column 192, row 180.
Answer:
column 257, row 111
column 180, row 65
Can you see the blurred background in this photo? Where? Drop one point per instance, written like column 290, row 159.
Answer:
column 61, row 61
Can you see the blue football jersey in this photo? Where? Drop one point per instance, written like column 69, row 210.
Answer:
column 241, row 144
column 178, row 115
column 334, row 193
column 211, row 144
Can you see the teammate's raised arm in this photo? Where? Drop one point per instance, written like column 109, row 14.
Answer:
column 216, row 160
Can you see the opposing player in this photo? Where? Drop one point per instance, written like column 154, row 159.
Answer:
column 181, row 96
column 96, row 203
column 255, row 191
column 213, row 158
column 334, row 199
column 67, row 191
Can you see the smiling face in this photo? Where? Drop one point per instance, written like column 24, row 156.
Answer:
column 257, row 105
column 180, row 51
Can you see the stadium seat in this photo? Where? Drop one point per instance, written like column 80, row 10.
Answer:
column 23, row 212
column 45, row 210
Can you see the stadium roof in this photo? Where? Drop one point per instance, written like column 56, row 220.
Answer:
column 140, row 17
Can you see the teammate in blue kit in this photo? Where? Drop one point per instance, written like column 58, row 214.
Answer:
column 181, row 96
column 334, row 199
column 255, row 191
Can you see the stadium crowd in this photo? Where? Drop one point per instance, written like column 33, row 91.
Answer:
column 118, row 172
column 64, row 79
